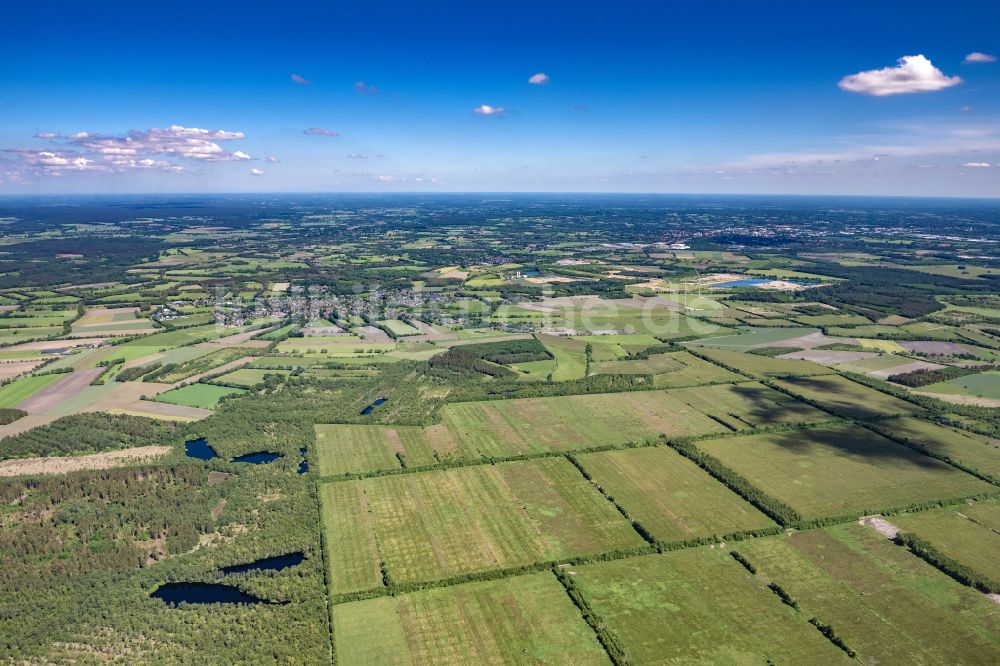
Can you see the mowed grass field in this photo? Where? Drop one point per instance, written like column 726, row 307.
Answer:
column 205, row 396
column 846, row 398
column 972, row 451
column 886, row 604
column 247, row 377
column 502, row 428
column 840, row 469
column 525, row 619
column 439, row 524
column 964, row 533
column 699, row 606
column 669, row 495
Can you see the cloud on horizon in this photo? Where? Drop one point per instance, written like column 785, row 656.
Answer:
column 319, row 131
column 154, row 148
column 256, row 172
column 912, row 74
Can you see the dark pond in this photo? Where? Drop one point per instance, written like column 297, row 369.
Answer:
column 199, row 448
column 303, row 466
column 257, row 458
column 276, row 563
column 204, row 593
column 368, row 410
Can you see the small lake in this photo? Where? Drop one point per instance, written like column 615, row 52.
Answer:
column 204, row 593
column 276, row 563
column 199, row 448
column 257, row 458
column 304, row 465
column 368, row 410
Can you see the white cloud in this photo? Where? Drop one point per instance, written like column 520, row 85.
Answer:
column 913, row 74
column 539, row 79
column 319, row 131
column 272, row 159
column 977, row 165
column 357, row 156
column 136, row 149
column 256, row 172
column 487, row 110
column 301, row 80
column 363, row 88
column 976, row 57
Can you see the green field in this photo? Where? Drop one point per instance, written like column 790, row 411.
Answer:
column 698, row 606
column 669, row 495
column 25, row 387
column 399, row 327
column 983, row 385
column 970, row 450
column 962, row 533
column 842, row 469
column 438, row 524
column 205, row 396
column 846, row 398
column 473, row 430
column 200, row 365
column 247, row 377
column 887, row 605
column 526, row 619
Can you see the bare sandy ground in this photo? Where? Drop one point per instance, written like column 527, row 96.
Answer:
column 961, row 399
column 162, row 410
column 62, row 465
column 810, row 341
column 903, row 369
column 828, row 357
column 48, row 345
column 10, row 369
column 237, row 339
column 930, row 347
column 372, row 334
column 25, row 423
column 62, row 389
column 880, row 525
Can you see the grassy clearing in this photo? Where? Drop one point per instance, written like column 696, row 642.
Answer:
column 570, row 357
column 565, row 423
column 25, row 387
column 439, row 524
column 200, row 365
column 983, row 385
column 846, row 398
column 888, row 605
column 699, row 605
column 352, row 448
column 969, row 450
column 741, row 406
column 526, row 619
column 841, row 469
column 247, row 377
column 205, row 396
column 399, row 327
column 766, row 366
column 955, row 533
column 352, row 554
column 669, row 495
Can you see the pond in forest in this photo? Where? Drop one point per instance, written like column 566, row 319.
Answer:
column 204, row 593
column 368, row 410
column 276, row 563
column 257, row 458
column 199, row 448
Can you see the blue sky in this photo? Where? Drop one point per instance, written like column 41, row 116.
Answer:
column 645, row 96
